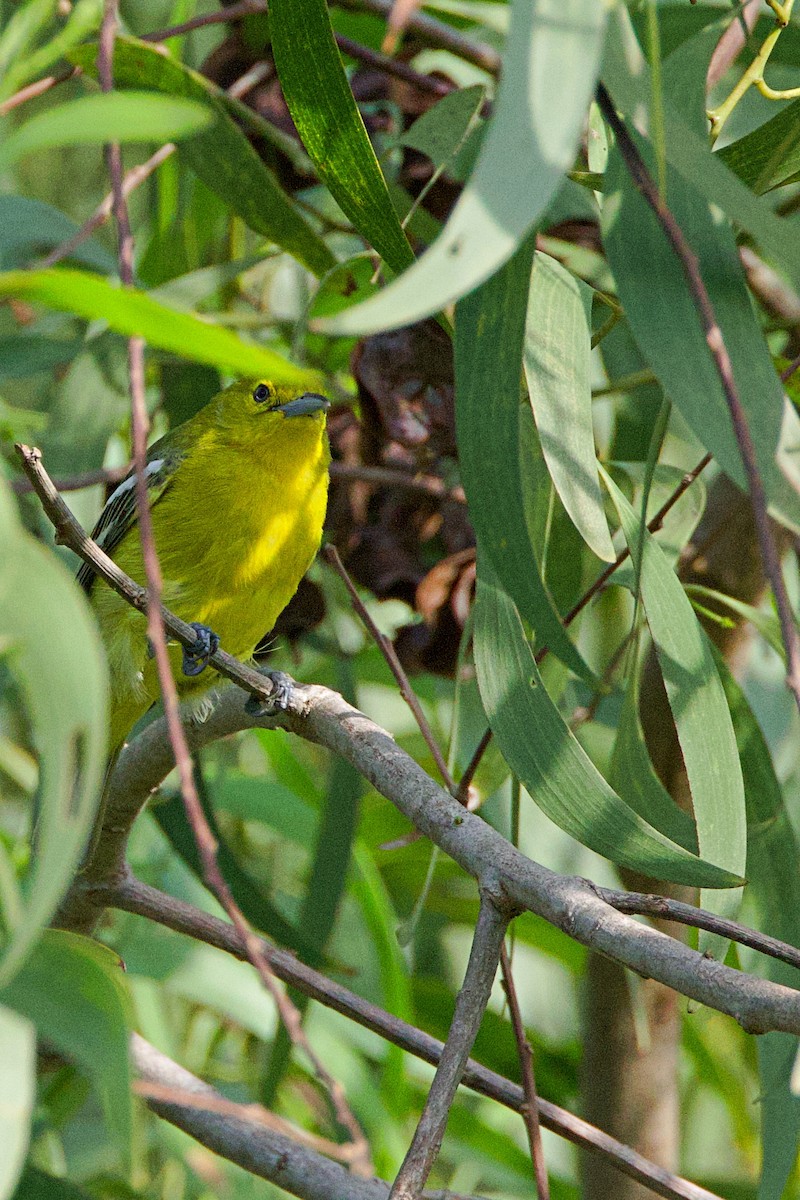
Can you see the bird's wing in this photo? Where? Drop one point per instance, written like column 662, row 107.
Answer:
column 120, row 512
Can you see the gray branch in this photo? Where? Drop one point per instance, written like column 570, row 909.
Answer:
column 470, row 1006
column 572, row 905
column 247, row 1142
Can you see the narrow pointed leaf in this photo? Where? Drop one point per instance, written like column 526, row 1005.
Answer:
column 488, row 357
column 318, row 94
column 556, row 360
column 696, row 698
column 132, row 312
column 549, row 68
column 554, row 768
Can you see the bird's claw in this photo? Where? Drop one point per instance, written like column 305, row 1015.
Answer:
column 195, row 658
column 281, row 698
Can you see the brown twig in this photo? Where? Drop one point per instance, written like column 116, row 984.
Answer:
column 74, row 483
column 37, row 88
column 428, row 485
column 471, row 1002
column 130, row 182
column 201, row 830
column 212, row 1103
column 231, row 13
column 437, row 34
column 132, row 896
column 331, row 556
column 719, row 352
column 530, row 1111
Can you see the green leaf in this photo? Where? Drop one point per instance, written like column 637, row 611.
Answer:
column 83, row 20
column 17, row 1095
column 439, row 132
column 31, row 227
column 71, row 988
column 321, row 103
column 549, row 67
column 666, row 326
column 632, row 774
column 627, row 77
column 22, row 29
column 117, row 117
column 219, row 154
column 771, row 904
column 557, row 364
column 490, row 326
column 768, row 156
column 57, row 661
column 555, row 770
column 132, row 312
column 696, row 698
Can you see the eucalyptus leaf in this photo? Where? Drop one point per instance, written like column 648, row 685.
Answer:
column 132, row 312
column 57, row 662
column 94, row 120
column 550, row 63
column 555, row 770
column 557, row 369
column 17, row 1095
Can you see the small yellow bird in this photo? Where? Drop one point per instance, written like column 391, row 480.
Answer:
column 238, row 496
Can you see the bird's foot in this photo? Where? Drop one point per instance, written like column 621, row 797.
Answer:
column 195, row 658
column 281, row 698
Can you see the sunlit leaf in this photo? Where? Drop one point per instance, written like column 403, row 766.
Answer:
column 548, row 76
column 131, row 312
column 556, row 360
column 94, row 120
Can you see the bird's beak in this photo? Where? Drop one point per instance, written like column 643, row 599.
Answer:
column 304, row 406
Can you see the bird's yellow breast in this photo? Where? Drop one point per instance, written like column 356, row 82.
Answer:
column 235, row 532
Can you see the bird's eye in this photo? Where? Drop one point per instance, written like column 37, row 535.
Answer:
column 261, row 393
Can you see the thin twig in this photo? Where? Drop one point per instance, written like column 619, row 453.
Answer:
column 471, row 1002
column 437, row 34
column 428, row 485
column 75, row 483
column 732, row 42
column 201, row 830
column 132, row 896
column 71, row 534
column 228, row 15
column 530, row 1112
column 331, row 556
column 719, row 352
column 698, row 918
column 131, row 181
column 37, row 88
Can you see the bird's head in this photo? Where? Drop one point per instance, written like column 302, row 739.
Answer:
column 252, row 407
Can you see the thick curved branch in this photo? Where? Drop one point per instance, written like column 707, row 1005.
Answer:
column 573, row 905
column 132, row 896
column 264, row 1152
